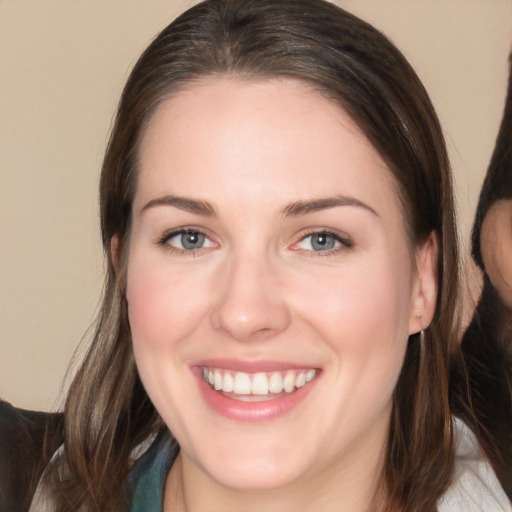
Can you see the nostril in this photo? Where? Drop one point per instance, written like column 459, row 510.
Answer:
column 249, row 305
column 260, row 325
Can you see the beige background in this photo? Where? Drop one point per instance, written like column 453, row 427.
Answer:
column 62, row 66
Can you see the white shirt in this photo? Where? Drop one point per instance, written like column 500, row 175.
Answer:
column 475, row 487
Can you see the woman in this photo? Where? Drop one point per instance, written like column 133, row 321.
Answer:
column 278, row 221
column 487, row 343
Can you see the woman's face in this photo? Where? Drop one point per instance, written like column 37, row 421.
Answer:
column 271, row 288
column 496, row 247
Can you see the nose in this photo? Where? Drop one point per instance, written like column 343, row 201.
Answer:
column 251, row 304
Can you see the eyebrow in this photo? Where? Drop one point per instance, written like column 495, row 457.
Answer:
column 294, row 209
column 183, row 203
column 305, row 207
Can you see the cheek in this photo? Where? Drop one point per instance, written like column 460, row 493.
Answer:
column 163, row 309
column 363, row 315
column 163, row 304
column 368, row 297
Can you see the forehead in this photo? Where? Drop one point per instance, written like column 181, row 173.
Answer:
column 274, row 139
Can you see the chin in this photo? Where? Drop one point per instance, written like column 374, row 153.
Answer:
column 258, row 475
column 254, row 465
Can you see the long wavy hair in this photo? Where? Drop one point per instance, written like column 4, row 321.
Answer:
column 107, row 412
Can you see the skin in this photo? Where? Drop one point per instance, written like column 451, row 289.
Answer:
column 259, row 291
column 496, row 247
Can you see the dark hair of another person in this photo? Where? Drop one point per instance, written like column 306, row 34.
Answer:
column 108, row 412
column 486, row 351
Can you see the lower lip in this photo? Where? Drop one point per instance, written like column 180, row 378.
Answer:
column 253, row 412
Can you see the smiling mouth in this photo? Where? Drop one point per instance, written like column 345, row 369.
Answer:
column 256, row 386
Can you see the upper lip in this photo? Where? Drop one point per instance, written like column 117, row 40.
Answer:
column 239, row 365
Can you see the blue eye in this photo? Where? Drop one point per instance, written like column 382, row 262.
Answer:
column 191, row 240
column 322, row 242
column 187, row 240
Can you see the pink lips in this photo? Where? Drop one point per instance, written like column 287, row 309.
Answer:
column 250, row 411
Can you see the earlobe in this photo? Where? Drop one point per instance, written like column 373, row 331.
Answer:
column 424, row 297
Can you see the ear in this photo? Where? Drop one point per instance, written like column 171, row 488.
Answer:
column 424, row 297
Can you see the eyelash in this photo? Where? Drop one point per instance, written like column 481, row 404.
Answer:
column 344, row 242
column 163, row 240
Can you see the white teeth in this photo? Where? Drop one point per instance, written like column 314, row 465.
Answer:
column 217, row 380
column 259, row 383
column 300, row 380
column 242, row 384
column 275, row 384
column 228, row 383
column 289, row 382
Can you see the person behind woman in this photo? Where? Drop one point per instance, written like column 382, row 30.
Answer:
column 281, row 291
column 486, row 355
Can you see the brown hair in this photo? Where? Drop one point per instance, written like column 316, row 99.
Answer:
column 107, row 411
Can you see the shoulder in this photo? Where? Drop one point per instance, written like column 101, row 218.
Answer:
column 151, row 461
column 27, row 441
column 475, row 487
